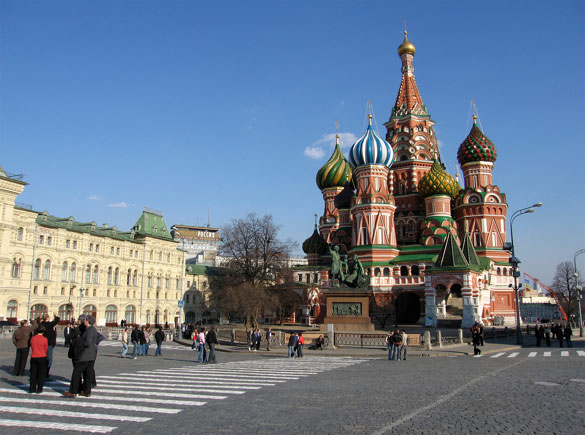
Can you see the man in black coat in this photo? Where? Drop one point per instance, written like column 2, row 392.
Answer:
column 85, row 352
column 159, row 336
column 212, row 342
column 135, row 338
column 67, row 333
column 51, row 336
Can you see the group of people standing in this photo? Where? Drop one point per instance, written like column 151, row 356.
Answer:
column 397, row 344
column 542, row 332
column 39, row 339
column 140, row 339
column 204, row 340
column 255, row 339
column 295, row 345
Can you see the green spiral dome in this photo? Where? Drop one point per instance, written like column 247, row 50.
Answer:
column 476, row 147
column 438, row 182
column 336, row 172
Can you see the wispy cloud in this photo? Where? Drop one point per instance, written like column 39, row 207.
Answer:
column 94, row 198
column 318, row 148
column 440, row 143
column 119, row 205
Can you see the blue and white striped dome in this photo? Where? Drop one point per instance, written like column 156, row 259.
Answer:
column 371, row 149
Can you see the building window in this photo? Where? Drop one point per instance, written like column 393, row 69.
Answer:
column 62, row 292
column 158, row 281
column 97, row 248
column 88, row 274
column 75, row 244
column 64, row 271
column 90, row 310
column 49, row 241
column 115, row 293
column 36, row 290
column 160, row 256
column 168, row 258
column 47, row 270
column 12, row 309
column 72, row 272
column 42, row 239
column 135, row 278
column 403, row 271
column 15, row 273
column 134, row 294
column 151, row 255
column 37, row 269
column 67, row 244
column 117, row 251
column 19, row 233
column 109, row 275
column 135, row 254
column 95, row 274
column 415, row 271
column 91, row 247
column 130, row 314
column 149, row 280
column 167, row 282
column 177, row 283
column 66, row 311
column 117, row 276
column 45, row 290
column 108, row 293
column 38, row 310
column 128, row 276
column 94, row 292
column 131, row 252
column 112, row 250
column 187, row 297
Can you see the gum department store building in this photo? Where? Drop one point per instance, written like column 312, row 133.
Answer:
column 430, row 246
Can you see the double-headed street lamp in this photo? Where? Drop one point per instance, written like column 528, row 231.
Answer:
column 514, row 261
column 578, row 289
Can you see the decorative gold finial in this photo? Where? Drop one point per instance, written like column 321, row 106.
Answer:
column 406, row 47
column 474, row 119
column 370, row 118
column 336, row 139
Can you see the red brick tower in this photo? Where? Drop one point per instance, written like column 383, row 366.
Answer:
column 410, row 132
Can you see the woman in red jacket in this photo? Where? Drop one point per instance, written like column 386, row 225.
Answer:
column 300, row 345
column 38, row 360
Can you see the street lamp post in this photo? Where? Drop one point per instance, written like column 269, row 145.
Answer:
column 578, row 288
column 514, row 261
column 81, row 290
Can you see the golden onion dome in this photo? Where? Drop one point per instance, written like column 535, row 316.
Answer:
column 406, row 46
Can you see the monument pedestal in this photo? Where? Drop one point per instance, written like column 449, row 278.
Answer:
column 348, row 309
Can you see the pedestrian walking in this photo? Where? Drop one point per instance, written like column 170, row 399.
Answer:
column 38, row 360
column 481, row 334
column 291, row 346
column 389, row 344
column 212, row 341
column 537, row 335
column 51, row 336
column 268, row 338
column 85, row 352
column 21, row 338
column 147, row 340
column 560, row 334
column 405, row 345
column 135, row 337
column 201, row 341
column 300, row 344
column 125, row 342
column 159, row 336
column 476, row 340
column 547, row 335
column 66, row 332
column 142, row 347
column 568, row 333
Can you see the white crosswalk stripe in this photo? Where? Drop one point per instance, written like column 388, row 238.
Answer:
column 532, row 354
column 135, row 397
column 537, row 354
column 513, row 354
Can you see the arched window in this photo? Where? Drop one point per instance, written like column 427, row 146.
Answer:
column 166, row 316
column 111, row 315
column 38, row 310
column 148, row 317
column 12, row 309
column 156, row 317
column 15, row 273
column 377, row 272
column 109, row 275
column 19, row 234
column 128, row 276
column 64, row 270
column 88, row 274
column 95, row 274
column 149, row 280
column 130, row 314
column 504, row 271
column 414, row 270
column 403, row 271
column 117, row 276
column 66, row 311
column 90, row 309
column 410, row 226
column 190, row 317
column 37, row 269
column 135, row 278
column 498, row 271
column 72, row 272
column 386, row 272
column 47, row 270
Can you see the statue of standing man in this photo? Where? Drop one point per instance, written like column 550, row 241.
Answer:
column 336, row 266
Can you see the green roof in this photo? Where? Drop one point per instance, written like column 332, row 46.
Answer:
column 411, row 258
column 451, row 254
column 469, row 251
column 201, row 269
column 46, row 220
column 152, row 225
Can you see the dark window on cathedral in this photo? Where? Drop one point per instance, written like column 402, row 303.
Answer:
column 414, row 270
column 403, row 271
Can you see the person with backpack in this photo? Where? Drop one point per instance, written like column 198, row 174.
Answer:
column 159, row 336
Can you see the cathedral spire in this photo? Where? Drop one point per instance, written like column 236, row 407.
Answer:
column 409, row 100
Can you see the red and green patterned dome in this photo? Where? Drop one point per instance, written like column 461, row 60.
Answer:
column 336, row 172
column 438, row 182
column 476, row 147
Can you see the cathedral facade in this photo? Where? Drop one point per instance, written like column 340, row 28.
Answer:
column 431, row 247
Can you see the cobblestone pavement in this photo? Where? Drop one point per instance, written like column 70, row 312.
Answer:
column 518, row 390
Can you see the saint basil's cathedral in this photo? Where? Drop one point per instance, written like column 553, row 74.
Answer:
column 431, row 247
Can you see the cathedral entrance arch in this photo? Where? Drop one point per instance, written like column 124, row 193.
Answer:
column 454, row 302
column 407, row 308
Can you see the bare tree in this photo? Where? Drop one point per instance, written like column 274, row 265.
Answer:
column 254, row 257
column 565, row 286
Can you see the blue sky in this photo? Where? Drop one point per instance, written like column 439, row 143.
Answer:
column 229, row 107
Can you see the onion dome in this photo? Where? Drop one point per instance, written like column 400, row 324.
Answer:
column 438, row 182
column 315, row 244
column 343, row 199
column 476, row 147
column 371, row 149
column 336, row 172
column 406, row 46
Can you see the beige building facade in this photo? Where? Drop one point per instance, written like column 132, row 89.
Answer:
column 58, row 265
